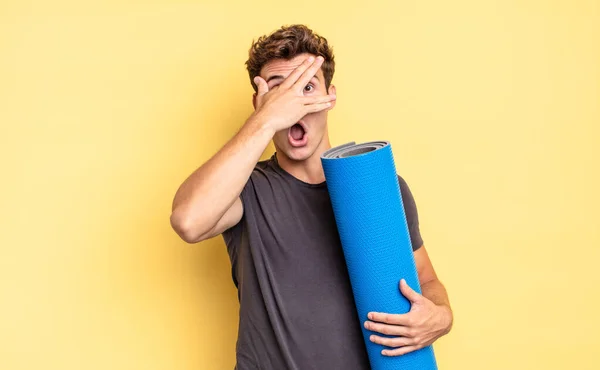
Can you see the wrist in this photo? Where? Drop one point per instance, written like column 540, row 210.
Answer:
column 259, row 125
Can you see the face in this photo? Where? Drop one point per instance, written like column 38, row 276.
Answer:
column 309, row 137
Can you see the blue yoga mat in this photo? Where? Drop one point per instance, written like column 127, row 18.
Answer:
column 367, row 203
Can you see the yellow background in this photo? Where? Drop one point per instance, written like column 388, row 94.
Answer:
column 492, row 108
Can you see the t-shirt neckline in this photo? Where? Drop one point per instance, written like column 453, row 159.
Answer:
column 294, row 179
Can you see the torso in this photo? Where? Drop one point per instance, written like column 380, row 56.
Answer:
column 296, row 304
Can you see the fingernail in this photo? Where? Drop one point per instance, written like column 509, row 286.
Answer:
column 384, row 353
column 366, row 325
column 320, row 57
column 372, row 338
column 311, row 59
column 370, row 315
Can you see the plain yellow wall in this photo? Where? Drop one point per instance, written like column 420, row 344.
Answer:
column 492, row 108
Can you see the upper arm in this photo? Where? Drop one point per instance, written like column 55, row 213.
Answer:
column 425, row 268
column 229, row 219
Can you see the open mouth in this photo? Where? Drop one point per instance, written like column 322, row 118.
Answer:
column 297, row 135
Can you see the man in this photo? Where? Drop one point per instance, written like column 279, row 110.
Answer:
column 296, row 305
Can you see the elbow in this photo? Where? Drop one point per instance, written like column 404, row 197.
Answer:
column 449, row 320
column 186, row 227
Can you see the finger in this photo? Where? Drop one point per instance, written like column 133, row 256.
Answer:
column 392, row 342
column 399, row 351
column 314, row 108
column 318, row 99
column 296, row 73
column 262, row 86
column 409, row 293
column 389, row 329
column 309, row 73
column 393, row 319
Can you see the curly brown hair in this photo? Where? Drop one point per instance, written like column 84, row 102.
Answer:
column 288, row 42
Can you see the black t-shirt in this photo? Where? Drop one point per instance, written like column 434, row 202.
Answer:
column 297, row 311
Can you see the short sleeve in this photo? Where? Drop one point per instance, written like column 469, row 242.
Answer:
column 412, row 216
column 233, row 235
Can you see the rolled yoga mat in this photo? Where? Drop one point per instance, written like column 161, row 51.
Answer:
column 369, row 213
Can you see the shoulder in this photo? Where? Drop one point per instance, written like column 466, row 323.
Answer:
column 263, row 170
column 407, row 195
column 403, row 184
column 264, row 167
column 264, row 178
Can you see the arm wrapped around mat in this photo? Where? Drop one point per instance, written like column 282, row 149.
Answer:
column 367, row 203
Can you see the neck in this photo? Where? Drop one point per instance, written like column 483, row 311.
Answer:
column 309, row 170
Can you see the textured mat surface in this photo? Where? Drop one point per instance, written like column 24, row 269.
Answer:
column 369, row 213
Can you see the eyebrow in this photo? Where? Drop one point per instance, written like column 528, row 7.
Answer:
column 277, row 77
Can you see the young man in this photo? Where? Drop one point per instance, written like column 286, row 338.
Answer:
column 296, row 305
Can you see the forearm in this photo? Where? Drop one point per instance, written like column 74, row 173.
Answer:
column 208, row 193
column 435, row 291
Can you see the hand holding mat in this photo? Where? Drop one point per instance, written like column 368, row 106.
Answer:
column 369, row 213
